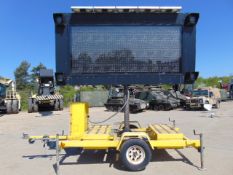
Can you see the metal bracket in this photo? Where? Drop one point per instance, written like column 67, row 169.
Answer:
column 201, row 149
column 173, row 122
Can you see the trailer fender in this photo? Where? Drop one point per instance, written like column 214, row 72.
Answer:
column 132, row 135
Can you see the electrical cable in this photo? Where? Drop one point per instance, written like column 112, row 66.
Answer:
column 113, row 114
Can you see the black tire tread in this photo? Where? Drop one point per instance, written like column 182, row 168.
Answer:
column 124, row 160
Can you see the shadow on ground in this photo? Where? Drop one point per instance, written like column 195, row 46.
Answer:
column 46, row 114
column 110, row 157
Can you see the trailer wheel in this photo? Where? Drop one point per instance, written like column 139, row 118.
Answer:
column 135, row 154
column 15, row 106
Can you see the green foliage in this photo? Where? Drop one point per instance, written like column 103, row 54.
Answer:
column 68, row 93
column 24, row 98
column 211, row 81
column 87, row 88
column 25, row 82
column 21, row 75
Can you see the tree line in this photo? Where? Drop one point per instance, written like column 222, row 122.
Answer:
column 26, row 78
column 212, row 81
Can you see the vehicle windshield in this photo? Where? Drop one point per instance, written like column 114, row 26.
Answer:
column 2, row 90
column 197, row 93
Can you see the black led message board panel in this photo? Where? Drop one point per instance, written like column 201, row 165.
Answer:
column 117, row 49
column 125, row 48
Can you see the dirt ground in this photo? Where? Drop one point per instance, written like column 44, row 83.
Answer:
column 17, row 157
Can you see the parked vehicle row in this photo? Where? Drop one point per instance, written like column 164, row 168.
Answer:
column 162, row 100
column 46, row 97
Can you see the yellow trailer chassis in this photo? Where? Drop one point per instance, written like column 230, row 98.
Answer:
column 155, row 136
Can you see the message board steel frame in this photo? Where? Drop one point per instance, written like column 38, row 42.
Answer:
column 187, row 21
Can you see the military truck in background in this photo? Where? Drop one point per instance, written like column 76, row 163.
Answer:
column 116, row 101
column 158, row 99
column 46, row 97
column 10, row 101
column 202, row 96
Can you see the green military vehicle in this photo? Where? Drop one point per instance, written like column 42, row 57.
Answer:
column 158, row 99
column 116, row 101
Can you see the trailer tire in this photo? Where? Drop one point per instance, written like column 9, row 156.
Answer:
column 135, row 154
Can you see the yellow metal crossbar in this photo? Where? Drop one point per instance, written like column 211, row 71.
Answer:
column 90, row 144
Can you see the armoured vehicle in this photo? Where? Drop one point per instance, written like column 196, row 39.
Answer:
column 180, row 96
column 158, row 99
column 116, row 101
column 9, row 98
column 201, row 97
column 46, row 97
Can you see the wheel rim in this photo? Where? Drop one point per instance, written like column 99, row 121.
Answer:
column 135, row 154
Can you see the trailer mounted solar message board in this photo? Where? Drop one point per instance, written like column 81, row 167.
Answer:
column 125, row 47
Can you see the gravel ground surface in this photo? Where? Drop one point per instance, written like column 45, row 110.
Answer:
column 17, row 157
